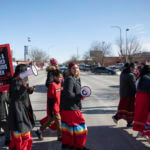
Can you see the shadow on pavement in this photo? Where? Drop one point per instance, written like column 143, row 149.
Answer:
column 40, row 89
column 99, row 138
column 47, row 145
column 99, row 110
column 114, row 86
column 111, row 138
column 99, row 107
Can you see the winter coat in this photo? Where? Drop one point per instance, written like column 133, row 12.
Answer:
column 143, row 84
column 20, row 111
column 127, row 84
column 71, row 97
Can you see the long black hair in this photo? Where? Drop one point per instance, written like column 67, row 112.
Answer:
column 144, row 71
column 19, row 69
column 127, row 67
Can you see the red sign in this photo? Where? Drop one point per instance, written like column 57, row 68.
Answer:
column 6, row 67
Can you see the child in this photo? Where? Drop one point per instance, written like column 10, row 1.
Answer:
column 53, row 95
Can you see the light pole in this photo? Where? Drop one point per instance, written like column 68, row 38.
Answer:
column 118, row 27
column 127, row 45
column 26, row 49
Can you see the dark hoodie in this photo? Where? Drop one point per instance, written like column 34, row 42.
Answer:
column 127, row 84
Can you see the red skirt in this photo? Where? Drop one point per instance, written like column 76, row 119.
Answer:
column 21, row 141
column 44, row 120
column 74, row 129
column 142, row 108
column 126, row 109
column 146, row 131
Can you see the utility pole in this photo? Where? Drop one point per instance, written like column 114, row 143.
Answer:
column 77, row 54
column 118, row 27
column 127, row 45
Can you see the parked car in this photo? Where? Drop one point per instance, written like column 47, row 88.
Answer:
column 85, row 67
column 104, row 70
column 63, row 69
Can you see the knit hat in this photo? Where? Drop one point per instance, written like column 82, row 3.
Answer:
column 53, row 61
column 72, row 64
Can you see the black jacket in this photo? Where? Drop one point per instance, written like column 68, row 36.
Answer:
column 144, row 84
column 71, row 97
column 20, row 111
column 127, row 85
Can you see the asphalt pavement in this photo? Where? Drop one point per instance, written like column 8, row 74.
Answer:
column 103, row 133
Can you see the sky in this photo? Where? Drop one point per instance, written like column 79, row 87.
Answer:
column 63, row 27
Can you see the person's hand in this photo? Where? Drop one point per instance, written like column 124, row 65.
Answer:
column 82, row 97
column 31, row 89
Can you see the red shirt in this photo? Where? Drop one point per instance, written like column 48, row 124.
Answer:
column 54, row 92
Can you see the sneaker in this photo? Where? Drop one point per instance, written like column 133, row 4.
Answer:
column 39, row 134
column 130, row 124
column 115, row 119
column 59, row 138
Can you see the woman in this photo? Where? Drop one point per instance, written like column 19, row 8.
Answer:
column 127, row 95
column 74, row 130
column 20, row 116
column 142, row 105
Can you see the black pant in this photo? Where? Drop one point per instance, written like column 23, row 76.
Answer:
column 4, row 126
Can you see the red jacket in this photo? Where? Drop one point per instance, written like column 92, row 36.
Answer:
column 53, row 95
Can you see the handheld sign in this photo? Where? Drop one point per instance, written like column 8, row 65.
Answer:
column 6, row 67
column 31, row 71
column 85, row 91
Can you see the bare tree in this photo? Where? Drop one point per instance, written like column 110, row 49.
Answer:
column 130, row 49
column 86, row 57
column 99, row 50
column 39, row 56
column 134, row 46
column 72, row 59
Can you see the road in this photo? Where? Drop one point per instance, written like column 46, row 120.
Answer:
column 98, row 109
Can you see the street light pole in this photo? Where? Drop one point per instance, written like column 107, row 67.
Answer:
column 118, row 27
column 127, row 45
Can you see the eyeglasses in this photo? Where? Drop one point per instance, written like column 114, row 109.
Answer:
column 74, row 68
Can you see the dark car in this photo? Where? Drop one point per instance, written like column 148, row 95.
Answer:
column 103, row 70
column 85, row 67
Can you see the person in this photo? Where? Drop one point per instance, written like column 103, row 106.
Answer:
column 127, row 95
column 53, row 66
column 74, row 129
column 53, row 96
column 142, row 104
column 20, row 118
column 4, row 100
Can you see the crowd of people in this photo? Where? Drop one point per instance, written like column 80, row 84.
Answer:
column 64, row 106
column 63, row 109
column 134, row 104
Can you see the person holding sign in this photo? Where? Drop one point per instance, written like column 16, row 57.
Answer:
column 20, row 116
column 74, row 129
